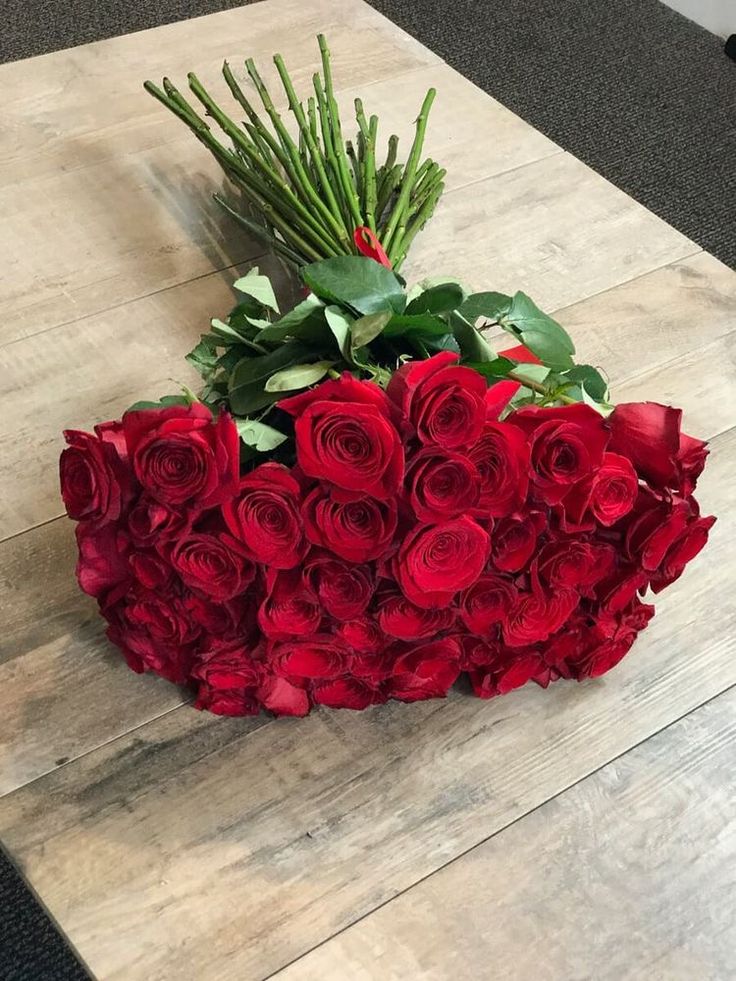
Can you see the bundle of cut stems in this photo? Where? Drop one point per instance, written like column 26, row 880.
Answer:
column 305, row 196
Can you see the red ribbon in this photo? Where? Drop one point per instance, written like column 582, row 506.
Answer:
column 367, row 243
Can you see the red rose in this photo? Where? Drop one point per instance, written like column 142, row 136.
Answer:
column 427, row 671
column 154, row 633
column 181, row 456
column 102, row 565
column 567, row 445
column 229, row 679
column 618, row 589
column 151, row 522
column 486, row 603
column 400, row 618
column 444, row 401
column 150, row 569
column 350, row 693
column 363, row 635
column 505, row 674
column 655, row 529
column 357, row 531
column 436, row 561
column 607, row 495
column 514, row 541
column 231, row 619
column 498, row 397
column 682, row 551
column 344, row 435
column 282, row 698
column 95, row 482
column 303, row 660
column 265, row 517
column 537, row 615
column 572, row 562
column 288, row 610
column 211, row 566
column 343, row 590
column 502, row 458
column 441, row 485
column 649, row 435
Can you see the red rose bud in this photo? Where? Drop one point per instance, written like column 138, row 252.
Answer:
column 229, row 679
column 211, row 566
column 264, row 517
column 436, row 561
column 605, row 496
column 649, row 435
column 514, row 541
column 441, row 485
column 567, row 445
column 358, row 531
column 445, row 402
column 501, row 456
column 181, row 456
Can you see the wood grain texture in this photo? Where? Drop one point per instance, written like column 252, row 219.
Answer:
column 553, row 228
column 39, row 602
column 631, row 874
column 231, row 863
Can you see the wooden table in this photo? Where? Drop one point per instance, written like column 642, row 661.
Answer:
column 582, row 832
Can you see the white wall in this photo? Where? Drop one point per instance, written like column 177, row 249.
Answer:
column 719, row 16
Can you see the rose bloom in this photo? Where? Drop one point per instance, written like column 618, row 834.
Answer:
column 441, row 484
column 425, row 671
column 348, row 692
column 103, row 563
column 502, row 458
column 436, row 561
column 229, row 679
column 264, row 517
column 95, row 482
column 400, row 618
column 345, row 436
column 486, row 603
column 151, row 522
column 343, row 590
column 656, row 527
column 180, row 456
column 605, row 496
column 507, row 672
column 515, row 539
column 683, row 550
column 288, row 609
column 649, row 435
column 572, row 562
column 363, row 635
column 210, row 565
column 309, row 658
column 358, row 531
column 567, row 445
column 537, row 615
column 444, row 401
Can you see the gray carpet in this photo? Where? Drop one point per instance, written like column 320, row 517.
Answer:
column 645, row 97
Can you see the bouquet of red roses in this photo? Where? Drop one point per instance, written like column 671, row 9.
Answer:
column 367, row 500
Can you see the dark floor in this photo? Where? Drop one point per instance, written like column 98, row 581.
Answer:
column 645, row 97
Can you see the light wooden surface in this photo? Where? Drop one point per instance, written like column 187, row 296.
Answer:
column 173, row 845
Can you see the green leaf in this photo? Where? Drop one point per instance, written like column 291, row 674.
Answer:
column 259, row 287
column 534, row 372
column 473, row 346
column 163, row 403
column 424, row 324
column 305, row 321
column 499, row 368
column 539, row 332
column 203, row 359
column 225, row 333
column 258, row 435
column 250, row 373
column 491, row 306
column 361, row 283
column 340, row 323
column 588, row 376
column 298, row 376
column 367, row 328
column 442, row 298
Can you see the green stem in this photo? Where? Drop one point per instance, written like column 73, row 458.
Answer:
column 401, row 244
column 540, row 389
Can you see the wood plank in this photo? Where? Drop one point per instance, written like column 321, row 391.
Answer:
column 630, row 874
column 103, row 363
column 553, row 228
column 107, row 226
column 44, row 613
column 232, row 863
